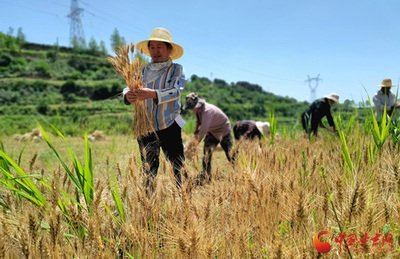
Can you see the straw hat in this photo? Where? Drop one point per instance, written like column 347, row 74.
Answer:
column 387, row 82
column 333, row 97
column 263, row 127
column 160, row 34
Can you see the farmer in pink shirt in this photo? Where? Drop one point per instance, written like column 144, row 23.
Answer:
column 213, row 124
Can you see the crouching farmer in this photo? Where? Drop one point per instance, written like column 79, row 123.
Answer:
column 311, row 119
column 249, row 129
column 213, row 124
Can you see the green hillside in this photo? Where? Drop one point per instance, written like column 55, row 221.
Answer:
column 78, row 90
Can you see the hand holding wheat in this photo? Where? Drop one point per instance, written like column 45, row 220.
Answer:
column 131, row 69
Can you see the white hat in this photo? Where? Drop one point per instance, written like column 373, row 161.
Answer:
column 333, row 97
column 263, row 127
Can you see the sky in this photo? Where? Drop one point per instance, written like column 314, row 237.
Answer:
column 351, row 45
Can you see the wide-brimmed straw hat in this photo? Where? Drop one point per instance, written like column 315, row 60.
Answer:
column 387, row 82
column 161, row 34
column 333, row 97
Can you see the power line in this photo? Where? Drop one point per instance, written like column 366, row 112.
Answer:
column 104, row 16
column 29, row 7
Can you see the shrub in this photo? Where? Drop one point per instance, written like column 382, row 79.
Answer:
column 43, row 109
column 41, row 68
column 5, row 59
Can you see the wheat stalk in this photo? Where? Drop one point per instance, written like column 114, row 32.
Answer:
column 131, row 69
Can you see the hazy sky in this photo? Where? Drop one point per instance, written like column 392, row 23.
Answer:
column 352, row 44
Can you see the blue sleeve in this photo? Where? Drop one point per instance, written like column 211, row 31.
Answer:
column 176, row 84
column 126, row 89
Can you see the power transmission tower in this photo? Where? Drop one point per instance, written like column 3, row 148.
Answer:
column 76, row 35
column 313, row 87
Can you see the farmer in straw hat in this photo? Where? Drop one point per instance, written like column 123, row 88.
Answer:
column 163, row 82
column 213, row 124
column 385, row 98
column 249, row 129
column 264, row 127
column 312, row 117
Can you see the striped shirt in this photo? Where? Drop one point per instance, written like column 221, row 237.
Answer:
column 168, row 82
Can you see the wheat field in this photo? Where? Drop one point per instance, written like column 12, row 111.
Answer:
column 271, row 204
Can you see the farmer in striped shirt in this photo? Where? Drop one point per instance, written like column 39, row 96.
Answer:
column 163, row 81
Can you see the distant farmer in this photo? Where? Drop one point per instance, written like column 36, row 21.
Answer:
column 213, row 124
column 163, row 81
column 312, row 117
column 385, row 98
column 249, row 129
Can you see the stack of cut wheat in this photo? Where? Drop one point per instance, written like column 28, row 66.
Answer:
column 131, row 70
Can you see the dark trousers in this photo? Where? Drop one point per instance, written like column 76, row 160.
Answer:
column 310, row 124
column 170, row 141
column 210, row 143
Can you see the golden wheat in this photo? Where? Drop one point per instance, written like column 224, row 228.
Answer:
column 131, row 70
column 191, row 151
column 258, row 209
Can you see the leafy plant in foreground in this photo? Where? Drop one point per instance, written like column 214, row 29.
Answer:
column 82, row 175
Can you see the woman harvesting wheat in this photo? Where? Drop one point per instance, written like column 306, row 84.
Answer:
column 162, row 82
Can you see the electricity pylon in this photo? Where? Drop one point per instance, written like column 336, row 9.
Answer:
column 313, row 87
column 76, row 35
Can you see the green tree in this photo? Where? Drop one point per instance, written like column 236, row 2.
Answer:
column 41, row 68
column 102, row 48
column 52, row 54
column 69, row 87
column 43, row 108
column 117, row 40
column 78, row 44
column 93, row 46
column 3, row 40
column 10, row 41
column 10, row 31
column 5, row 59
column 20, row 36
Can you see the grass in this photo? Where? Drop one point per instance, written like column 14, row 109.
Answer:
column 270, row 205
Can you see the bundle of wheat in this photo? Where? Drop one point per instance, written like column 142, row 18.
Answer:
column 191, row 149
column 131, row 70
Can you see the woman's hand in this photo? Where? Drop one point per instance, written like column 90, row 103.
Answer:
column 140, row 94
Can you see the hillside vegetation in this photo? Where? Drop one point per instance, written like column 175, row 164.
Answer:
column 78, row 90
